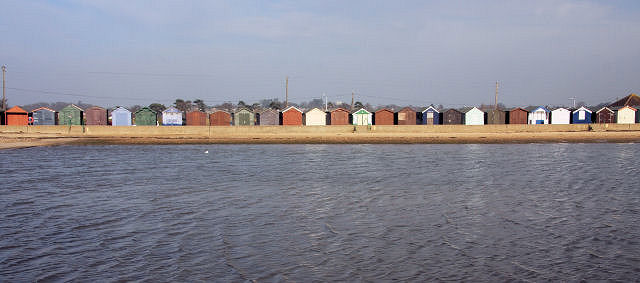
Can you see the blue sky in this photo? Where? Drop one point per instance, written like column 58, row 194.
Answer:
column 118, row 52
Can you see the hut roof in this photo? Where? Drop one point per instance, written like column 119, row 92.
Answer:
column 339, row 109
column 469, row 108
column 582, row 108
column 407, row 108
column 383, row 109
column 451, row 109
column 629, row 100
column 43, row 108
column 430, row 107
column 621, row 107
column 73, row 106
column 363, row 111
column 315, row 109
column 516, row 108
column 290, row 108
column 16, row 109
column 604, row 108
column 145, row 109
column 536, row 108
column 172, row 109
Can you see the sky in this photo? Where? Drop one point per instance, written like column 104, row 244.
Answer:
column 124, row 52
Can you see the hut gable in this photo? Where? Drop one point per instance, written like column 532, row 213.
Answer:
column 220, row 118
column 16, row 116
column 561, row 116
column 339, row 116
column 581, row 115
column 431, row 116
column 71, row 115
column 496, row 117
column 146, row 117
column 518, row 116
column 363, row 117
column 292, row 116
column 539, row 115
column 473, row 116
column 268, row 117
column 96, row 115
column 196, row 118
column 383, row 116
column 629, row 100
column 452, row 117
column 120, row 117
column 406, row 116
column 43, row 116
column 315, row 117
column 172, row 117
column 244, row 117
column 626, row 115
column 605, row 115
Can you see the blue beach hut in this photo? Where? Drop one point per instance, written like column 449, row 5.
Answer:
column 120, row 117
column 581, row 115
column 431, row 116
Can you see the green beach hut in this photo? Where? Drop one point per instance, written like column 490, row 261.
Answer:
column 146, row 117
column 71, row 115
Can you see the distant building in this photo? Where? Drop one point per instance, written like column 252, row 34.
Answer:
column 629, row 100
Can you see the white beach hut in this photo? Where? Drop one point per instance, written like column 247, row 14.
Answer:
column 626, row 115
column 474, row 116
column 172, row 117
column 539, row 115
column 315, row 117
column 362, row 117
column 560, row 116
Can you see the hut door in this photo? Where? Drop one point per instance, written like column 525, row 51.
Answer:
column 430, row 118
column 244, row 119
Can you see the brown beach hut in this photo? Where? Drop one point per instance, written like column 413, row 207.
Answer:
column 196, row 118
column 496, row 117
column 16, row 116
column 292, row 116
column 268, row 117
column 96, row 116
column 220, row 118
column 406, row 116
column 518, row 116
column 383, row 116
column 605, row 115
column 452, row 117
column 339, row 116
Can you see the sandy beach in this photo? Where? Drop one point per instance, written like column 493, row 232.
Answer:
column 34, row 136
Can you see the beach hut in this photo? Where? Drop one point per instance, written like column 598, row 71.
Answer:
column 71, row 115
column 244, row 117
column 291, row 116
column 496, row 117
column 268, row 117
column 363, row 117
column 626, row 115
column 120, row 117
column 560, row 116
column 581, row 115
column 339, row 116
column 196, row 118
column 146, row 117
column 605, row 115
column 315, row 117
column 16, row 116
column 431, row 116
column 43, row 116
column 473, row 116
column 383, row 116
column 406, row 116
column 539, row 115
column 518, row 116
column 629, row 100
column 96, row 115
column 220, row 118
column 172, row 117
column 452, row 117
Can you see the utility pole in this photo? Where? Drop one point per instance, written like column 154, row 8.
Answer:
column 4, row 88
column 286, row 98
column 352, row 94
column 574, row 101
column 324, row 96
column 496, row 100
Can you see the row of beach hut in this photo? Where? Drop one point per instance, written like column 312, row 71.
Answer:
column 623, row 111
column 120, row 116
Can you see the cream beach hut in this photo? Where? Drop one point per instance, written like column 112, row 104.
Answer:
column 626, row 115
column 362, row 117
column 315, row 117
column 560, row 116
column 474, row 116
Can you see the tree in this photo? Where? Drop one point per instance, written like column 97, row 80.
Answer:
column 182, row 105
column 241, row 104
column 275, row 104
column 157, row 107
column 358, row 105
column 135, row 108
column 200, row 103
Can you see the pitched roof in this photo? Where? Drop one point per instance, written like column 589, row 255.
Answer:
column 603, row 108
column 629, row 100
column 43, row 108
column 430, row 107
column 384, row 109
column 16, row 109
column 291, row 107
column 73, row 106
column 582, row 108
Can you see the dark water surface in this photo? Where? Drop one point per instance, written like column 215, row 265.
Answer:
column 536, row 212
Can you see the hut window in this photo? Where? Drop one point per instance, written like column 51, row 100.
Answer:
column 402, row 116
column 581, row 115
column 430, row 115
